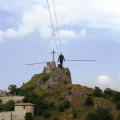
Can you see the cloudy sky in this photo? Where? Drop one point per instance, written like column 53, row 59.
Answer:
column 88, row 29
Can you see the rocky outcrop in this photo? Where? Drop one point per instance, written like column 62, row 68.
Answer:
column 52, row 76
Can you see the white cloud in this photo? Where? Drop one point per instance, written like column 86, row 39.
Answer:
column 83, row 32
column 104, row 81
column 67, row 34
column 97, row 14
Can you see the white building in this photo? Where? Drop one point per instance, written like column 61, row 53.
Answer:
column 19, row 113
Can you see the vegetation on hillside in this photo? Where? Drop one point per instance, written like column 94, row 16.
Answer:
column 67, row 101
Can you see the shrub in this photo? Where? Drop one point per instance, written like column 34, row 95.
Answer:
column 100, row 114
column 116, row 99
column 108, row 93
column 64, row 105
column 46, row 114
column 28, row 116
column 9, row 106
column 118, row 117
column 91, row 116
column 89, row 101
column 97, row 92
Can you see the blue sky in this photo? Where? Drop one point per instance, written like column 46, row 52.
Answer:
column 87, row 30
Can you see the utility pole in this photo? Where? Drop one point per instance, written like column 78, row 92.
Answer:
column 53, row 53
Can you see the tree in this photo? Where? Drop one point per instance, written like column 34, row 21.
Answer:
column 97, row 92
column 28, row 116
column 12, row 89
column 116, row 99
column 89, row 101
column 108, row 93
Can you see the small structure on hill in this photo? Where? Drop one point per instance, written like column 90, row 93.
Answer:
column 19, row 113
column 2, row 93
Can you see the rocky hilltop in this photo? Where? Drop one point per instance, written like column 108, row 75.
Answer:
column 56, row 98
column 51, row 77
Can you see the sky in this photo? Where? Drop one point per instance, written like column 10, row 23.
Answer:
column 87, row 29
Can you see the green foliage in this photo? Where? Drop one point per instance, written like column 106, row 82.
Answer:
column 91, row 116
column 89, row 101
column 118, row 117
column 63, row 105
column 97, row 92
column 116, row 99
column 100, row 114
column 46, row 114
column 0, row 104
column 45, row 77
column 28, row 116
column 0, row 101
column 12, row 89
column 9, row 106
column 108, row 93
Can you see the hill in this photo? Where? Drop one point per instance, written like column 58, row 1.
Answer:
column 56, row 98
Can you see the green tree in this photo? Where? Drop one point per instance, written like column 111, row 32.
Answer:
column 28, row 116
column 108, row 93
column 97, row 92
column 89, row 101
column 12, row 89
column 116, row 99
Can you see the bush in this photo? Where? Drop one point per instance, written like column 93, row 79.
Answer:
column 28, row 116
column 91, row 116
column 100, row 114
column 89, row 101
column 118, row 117
column 9, row 106
column 64, row 105
column 116, row 99
column 45, row 77
column 97, row 92
column 46, row 114
column 108, row 93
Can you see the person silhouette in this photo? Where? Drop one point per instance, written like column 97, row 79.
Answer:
column 61, row 59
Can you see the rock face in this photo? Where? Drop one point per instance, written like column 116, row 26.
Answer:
column 52, row 76
column 57, row 74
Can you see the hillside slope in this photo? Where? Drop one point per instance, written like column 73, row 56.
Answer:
column 66, row 100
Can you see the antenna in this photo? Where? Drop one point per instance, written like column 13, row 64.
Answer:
column 53, row 52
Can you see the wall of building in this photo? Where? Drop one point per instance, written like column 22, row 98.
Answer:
column 20, row 111
column 5, row 116
column 14, row 98
column 18, row 114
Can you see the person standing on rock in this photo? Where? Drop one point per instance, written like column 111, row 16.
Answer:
column 61, row 59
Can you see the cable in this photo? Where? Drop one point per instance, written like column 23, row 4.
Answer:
column 52, row 26
column 57, row 25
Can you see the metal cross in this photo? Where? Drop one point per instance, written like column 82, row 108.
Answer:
column 53, row 52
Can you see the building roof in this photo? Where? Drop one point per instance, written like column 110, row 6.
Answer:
column 2, row 93
column 24, row 104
